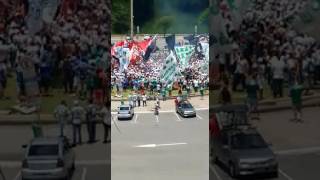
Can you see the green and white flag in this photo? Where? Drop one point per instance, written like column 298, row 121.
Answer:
column 169, row 68
column 184, row 53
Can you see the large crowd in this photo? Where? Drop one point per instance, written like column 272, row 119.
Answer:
column 144, row 78
column 267, row 50
column 72, row 49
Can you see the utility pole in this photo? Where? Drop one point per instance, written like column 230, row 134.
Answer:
column 131, row 18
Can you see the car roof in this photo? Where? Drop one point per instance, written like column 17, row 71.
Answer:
column 124, row 105
column 46, row 141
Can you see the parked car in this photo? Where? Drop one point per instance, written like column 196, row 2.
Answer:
column 48, row 158
column 125, row 112
column 239, row 146
column 185, row 109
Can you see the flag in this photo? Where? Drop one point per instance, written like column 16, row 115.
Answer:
column 171, row 41
column 191, row 39
column 184, row 53
column 169, row 68
column 34, row 17
column 151, row 47
column 50, row 8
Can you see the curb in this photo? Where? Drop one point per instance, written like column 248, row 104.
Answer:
column 171, row 97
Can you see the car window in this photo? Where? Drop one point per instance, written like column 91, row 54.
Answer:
column 186, row 106
column 44, row 150
column 247, row 141
column 124, row 108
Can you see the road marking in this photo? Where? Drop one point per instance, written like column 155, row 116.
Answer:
column 168, row 111
column 14, row 164
column 135, row 119
column 285, row 174
column 158, row 145
column 298, row 151
column 17, row 176
column 215, row 172
column 199, row 116
column 179, row 119
column 84, row 174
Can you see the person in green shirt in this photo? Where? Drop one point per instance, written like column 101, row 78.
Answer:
column 296, row 100
column 252, row 87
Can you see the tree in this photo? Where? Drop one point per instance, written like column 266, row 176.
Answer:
column 120, row 16
column 165, row 22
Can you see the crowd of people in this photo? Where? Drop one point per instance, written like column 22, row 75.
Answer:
column 72, row 49
column 91, row 115
column 266, row 51
column 144, row 78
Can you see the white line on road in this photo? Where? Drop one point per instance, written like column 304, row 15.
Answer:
column 298, row 151
column 158, row 145
column 171, row 111
column 285, row 174
column 215, row 172
column 17, row 176
column 84, row 174
column 199, row 116
column 179, row 119
column 136, row 118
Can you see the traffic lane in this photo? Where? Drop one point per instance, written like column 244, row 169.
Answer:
column 187, row 161
column 291, row 167
column 98, row 172
column 20, row 135
column 282, row 133
column 170, row 129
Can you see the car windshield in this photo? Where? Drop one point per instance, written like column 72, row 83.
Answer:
column 186, row 106
column 124, row 108
column 247, row 141
column 44, row 150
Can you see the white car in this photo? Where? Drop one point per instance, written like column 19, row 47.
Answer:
column 48, row 158
column 125, row 112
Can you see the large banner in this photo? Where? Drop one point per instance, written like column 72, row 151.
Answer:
column 34, row 17
column 50, row 8
column 169, row 68
column 184, row 53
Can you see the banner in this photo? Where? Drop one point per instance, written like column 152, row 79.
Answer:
column 184, row 53
column 34, row 17
column 49, row 11
column 169, row 69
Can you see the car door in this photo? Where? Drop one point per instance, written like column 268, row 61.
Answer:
column 224, row 149
column 67, row 154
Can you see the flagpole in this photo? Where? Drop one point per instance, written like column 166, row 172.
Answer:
column 131, row 19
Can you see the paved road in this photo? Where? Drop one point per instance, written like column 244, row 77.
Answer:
column 297, row 145
column 176, row 149
column 92, row 161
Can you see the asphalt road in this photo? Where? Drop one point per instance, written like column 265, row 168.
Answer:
column 92, row 161
column 297, row 145
column 176, row 149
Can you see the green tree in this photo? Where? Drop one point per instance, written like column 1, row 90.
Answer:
column 120, row 16
column 165, row 22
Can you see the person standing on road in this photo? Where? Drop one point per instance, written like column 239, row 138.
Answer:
column 252, row 94
column 139, row 99
column 61, row 114
column 91, row 118
column 77, row 113
column 296, row 99
column 106, row 116
column 156, row 113
column 144, row 100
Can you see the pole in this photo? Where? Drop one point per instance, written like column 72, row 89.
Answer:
column 131, row 18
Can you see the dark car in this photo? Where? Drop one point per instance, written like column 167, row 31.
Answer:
column 185, row 109
column 240, row 147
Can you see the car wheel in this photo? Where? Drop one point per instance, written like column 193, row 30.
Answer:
column 274, row 174
column 73, row 167
column 232, row 170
